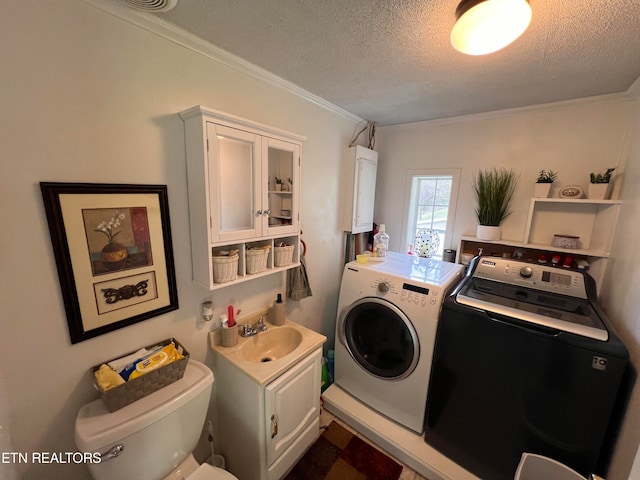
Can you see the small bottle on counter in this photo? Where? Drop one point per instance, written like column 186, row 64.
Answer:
column 278, row 311
column 381, row 242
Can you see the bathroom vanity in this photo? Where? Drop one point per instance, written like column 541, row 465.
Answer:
column 267, row 396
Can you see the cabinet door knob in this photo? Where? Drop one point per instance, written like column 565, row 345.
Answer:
column 259, row 212
column 266, row 212
column 274, row 426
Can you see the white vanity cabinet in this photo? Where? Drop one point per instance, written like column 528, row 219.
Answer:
column 266, row 428
column 359, row 189
column 244, row 190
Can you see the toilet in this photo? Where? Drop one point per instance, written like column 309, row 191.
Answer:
column 152, row 438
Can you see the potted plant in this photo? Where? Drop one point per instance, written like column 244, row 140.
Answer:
column 600, row 188
column 543, row 183
column 494, row 191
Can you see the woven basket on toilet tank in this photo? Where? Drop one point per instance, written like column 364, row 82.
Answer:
column 117, row 397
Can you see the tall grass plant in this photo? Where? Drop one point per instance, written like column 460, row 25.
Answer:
column 494, row 189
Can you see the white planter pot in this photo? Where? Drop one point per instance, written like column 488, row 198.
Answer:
column 488, row 232
column 541, row 190
column 599, row 191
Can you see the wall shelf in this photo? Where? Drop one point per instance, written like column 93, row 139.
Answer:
column 594, row 221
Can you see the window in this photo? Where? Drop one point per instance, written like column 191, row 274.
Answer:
column 430, row 204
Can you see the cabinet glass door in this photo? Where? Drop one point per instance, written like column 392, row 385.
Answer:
column 234, row 174
column 282, row 185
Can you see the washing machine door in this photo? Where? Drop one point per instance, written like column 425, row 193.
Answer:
column 380, row 338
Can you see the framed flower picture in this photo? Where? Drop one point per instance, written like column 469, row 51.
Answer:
column 113, row 251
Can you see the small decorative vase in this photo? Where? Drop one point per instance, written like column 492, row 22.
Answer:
column 541, row 190
column 278, row 187
column 599, row 191
column 488, row 232
column 427, row 243
column 114, row 256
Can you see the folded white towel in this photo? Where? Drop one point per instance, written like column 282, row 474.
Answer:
column 120, row 363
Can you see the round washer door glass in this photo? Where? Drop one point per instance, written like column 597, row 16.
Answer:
column 380, row 338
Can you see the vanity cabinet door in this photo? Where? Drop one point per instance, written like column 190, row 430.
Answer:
column 235, row 173
column 292, row 403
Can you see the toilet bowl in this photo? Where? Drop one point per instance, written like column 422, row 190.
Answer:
column 151, row 438
column 189, row 469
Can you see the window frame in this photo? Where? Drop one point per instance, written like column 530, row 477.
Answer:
column 409, row 209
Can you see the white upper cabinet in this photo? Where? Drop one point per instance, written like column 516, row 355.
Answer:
column 244, row 194
column 359, row 189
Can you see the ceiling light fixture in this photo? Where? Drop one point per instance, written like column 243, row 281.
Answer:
column 486, row 26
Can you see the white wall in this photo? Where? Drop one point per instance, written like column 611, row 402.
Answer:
column 89, row 97
column 573, row 138
column 621, row 298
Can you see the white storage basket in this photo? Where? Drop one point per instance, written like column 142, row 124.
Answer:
column 283, row 256
column 257, row 260
column 225, row 268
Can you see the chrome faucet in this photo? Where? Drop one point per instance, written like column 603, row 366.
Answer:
column 260, row 325
column 251, row 330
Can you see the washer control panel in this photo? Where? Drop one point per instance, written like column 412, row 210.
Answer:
column 540, row 277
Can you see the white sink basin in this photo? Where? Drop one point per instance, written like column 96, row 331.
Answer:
column 271, row 345
column 268, row 354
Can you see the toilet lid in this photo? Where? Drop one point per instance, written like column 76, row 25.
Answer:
column 208, row 472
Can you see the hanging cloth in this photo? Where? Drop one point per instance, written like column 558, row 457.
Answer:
column 298, row 281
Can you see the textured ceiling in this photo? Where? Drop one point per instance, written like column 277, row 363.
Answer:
column 390, row 61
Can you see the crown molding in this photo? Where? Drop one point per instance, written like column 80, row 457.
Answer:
column 608, row 98
column 192, row 42
column 634, row 89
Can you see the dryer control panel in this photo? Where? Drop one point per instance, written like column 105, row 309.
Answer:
column 407, row 292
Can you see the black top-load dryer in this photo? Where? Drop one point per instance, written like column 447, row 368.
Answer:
column 524, row 361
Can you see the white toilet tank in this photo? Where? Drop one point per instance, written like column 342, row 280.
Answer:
column 156, row 432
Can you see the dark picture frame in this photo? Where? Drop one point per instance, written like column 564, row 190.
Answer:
column 114, row 254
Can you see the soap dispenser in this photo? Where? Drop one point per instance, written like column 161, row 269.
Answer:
column 278, row 311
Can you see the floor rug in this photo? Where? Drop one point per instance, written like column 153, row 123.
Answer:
column 339, row 455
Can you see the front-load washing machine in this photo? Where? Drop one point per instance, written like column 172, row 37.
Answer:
column 385, row 332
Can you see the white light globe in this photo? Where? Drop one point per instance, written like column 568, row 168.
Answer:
column 490, row 25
